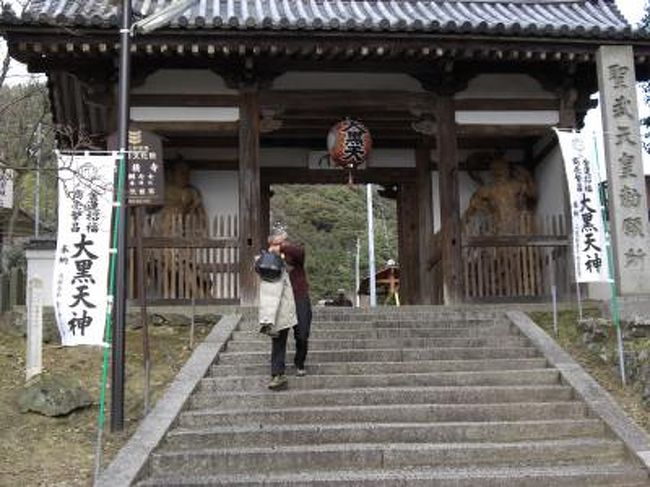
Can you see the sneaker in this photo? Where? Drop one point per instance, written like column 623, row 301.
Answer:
column 278, row 382
column 265, row 328
column 301, row 372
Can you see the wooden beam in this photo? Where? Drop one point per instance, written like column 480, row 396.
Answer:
column 249, row 194
column 452, row 265
column 301, row 175
column 484, row 104
column 516, row 241
column 477, row 130
column 198, row 128
column 388, row 100
column 184, row 100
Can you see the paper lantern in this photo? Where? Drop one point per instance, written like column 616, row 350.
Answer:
column 349, row 143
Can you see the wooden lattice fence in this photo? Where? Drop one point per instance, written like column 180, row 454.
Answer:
column 522, row 265
column 186, row 258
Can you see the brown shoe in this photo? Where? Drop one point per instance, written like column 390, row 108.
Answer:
column 278, row 382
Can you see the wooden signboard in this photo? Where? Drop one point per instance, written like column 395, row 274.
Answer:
column 145, row 171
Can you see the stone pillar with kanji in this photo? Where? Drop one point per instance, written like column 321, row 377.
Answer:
column 628, row 212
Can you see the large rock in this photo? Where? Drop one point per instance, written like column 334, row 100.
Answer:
column 53, row 395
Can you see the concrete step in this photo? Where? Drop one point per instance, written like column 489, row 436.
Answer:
column 388, row 355
column 320, row 434
column 500, row 378
column 264, row 343
column 384, row 333
column 394, row 455
column 372, row 368
column 524, row 476
column 411, row 413
column 376, row 396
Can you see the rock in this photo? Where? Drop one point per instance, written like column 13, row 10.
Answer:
column 157, row 320
column 53, row 395
column 207, row 319
column 177, row 319
column 133, row 320
column 594, row 348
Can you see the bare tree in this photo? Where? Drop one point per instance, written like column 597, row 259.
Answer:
column 21, row 7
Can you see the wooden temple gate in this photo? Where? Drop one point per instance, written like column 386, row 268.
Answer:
column 267, row 76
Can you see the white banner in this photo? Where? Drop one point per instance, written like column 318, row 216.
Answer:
column 82, row 250
column 6, row 187
column 589, row 251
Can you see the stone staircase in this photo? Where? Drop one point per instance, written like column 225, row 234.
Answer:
column 392, row 398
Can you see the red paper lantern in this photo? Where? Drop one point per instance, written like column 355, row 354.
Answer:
column 349, row 143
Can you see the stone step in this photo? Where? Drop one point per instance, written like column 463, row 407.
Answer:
column 394, row 455
column 264, row 344
column 399, row 325
column 385, row 314
column 376, row 396
column 524, row 476
column 499, row 378
column 411, row 413
column 321, row 434
column 388, row 355
column 383, row 333
column 373, row 368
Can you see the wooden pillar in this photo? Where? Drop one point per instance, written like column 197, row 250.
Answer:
column 452, row 265
column 407, row 237
column 566, row 271
column 425, row 220
column 250, row 238
column 265, row 216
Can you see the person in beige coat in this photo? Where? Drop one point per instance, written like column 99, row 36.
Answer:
column 277, row 313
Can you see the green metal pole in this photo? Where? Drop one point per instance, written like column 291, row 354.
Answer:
column 109, row 322
column 614, row 306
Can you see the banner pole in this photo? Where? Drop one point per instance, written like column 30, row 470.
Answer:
column 108, row 329
column 614, row 306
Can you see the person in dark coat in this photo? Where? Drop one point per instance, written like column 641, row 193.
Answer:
column 294, row 256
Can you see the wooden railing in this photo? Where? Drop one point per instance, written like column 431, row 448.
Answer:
column 186, row 259
column 523, row 265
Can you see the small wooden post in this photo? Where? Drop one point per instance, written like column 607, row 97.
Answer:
column 452, row 265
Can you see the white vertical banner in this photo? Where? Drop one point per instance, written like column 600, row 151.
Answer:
column 6, row 187
column 589, row 239
column 82, row 250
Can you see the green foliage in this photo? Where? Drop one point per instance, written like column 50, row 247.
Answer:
column 328, row 220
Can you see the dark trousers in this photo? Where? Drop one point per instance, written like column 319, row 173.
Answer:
column 300, row 334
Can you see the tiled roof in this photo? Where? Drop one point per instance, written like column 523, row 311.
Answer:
column 565, row 18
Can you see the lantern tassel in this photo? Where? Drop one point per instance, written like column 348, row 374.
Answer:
column 350, row 178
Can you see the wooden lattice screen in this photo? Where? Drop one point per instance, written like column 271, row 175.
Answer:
column 186, row 258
